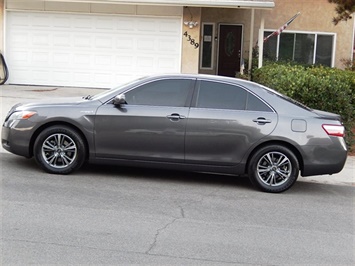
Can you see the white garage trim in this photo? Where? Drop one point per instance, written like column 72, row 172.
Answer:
column 67, row 49
column 191, row 3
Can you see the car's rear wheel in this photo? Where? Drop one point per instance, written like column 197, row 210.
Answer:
column 59, row 150
column 273, row 168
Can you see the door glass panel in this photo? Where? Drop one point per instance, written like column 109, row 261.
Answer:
column 172, row 92
column 230, row 44
column 207, row 46
column 324, row 50
column 221, row 96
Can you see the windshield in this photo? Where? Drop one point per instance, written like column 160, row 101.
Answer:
column 109, row 91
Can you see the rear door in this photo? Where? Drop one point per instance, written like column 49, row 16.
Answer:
column 225, row 121
column 151, row 126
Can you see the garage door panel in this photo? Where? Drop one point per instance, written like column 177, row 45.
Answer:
column 61, row 40
column 60, row 22
column 41, row 58
column 61, row 59
column 168, row 26
column 82, row 23
column 62, row 77
column 19, row 57
column 168, row 45
column 81, row 41
column 125, row 43
column 89, row 50
column 146, row 26
column 125, row 25
column 41, row 75
column 124, row 63
column 104, row 41
column 40, row 21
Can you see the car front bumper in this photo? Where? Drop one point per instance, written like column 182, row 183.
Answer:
column 17, row 140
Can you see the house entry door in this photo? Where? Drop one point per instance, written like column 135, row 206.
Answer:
column 229, row 49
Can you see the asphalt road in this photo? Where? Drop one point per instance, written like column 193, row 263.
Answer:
column 115, row 215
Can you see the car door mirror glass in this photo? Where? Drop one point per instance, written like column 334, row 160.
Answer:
column 119, row 100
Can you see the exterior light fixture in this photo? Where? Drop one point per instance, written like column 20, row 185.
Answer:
column 191, row 23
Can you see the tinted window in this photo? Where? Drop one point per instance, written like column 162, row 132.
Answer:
column 255, row 104
column 172, row 92
column 221, row 96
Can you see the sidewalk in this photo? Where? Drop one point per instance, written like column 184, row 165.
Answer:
column 12, row 94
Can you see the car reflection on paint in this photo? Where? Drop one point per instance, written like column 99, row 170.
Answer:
column 185, row 122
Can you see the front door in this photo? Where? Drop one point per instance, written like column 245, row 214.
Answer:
column 150, row 126
column 229, row 51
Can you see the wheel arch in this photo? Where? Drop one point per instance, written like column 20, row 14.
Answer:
column 57, row 123
column 281, row 143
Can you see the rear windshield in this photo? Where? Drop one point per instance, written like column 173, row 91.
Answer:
column 286, row 98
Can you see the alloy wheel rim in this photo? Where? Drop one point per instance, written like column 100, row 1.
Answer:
column 59, row 150
column 274, row 169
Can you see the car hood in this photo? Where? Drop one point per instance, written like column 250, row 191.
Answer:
column 50, row 102
column 327, row 115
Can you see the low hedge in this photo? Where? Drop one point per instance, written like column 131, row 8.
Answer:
column 318, row 87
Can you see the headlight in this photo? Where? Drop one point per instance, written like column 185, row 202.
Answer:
column 19, row 115
column 22, row 115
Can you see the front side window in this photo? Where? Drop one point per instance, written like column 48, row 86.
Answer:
column 170, row 92
column 305, row 48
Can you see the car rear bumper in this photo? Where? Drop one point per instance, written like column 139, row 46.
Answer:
column 324, row 160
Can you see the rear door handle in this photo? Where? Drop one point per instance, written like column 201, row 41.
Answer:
column 176, row 117
column 262, row 121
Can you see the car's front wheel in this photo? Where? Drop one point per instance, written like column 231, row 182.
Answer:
column 273, row 168
column 59, row 150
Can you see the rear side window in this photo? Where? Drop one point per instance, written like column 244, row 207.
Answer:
column 215, row 95
column 255, row 104
column 221, row 96
column 170, row 92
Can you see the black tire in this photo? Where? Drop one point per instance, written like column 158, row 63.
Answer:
column 273, row 169
column 59, row 150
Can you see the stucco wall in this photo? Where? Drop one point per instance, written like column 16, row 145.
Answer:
column 190, row 55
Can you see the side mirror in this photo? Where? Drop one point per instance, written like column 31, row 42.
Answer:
column 119, row 100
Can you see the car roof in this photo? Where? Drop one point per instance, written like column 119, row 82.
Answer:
column 206, row 77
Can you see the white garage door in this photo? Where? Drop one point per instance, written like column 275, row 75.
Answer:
column 89, row 50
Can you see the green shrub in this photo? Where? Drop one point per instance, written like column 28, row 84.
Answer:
column 318, row 87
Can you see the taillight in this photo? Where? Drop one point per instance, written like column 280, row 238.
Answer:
column 334, row 130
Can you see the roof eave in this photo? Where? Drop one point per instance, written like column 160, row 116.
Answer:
column 191, row 3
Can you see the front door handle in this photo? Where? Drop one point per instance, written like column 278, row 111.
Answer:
column 175, row 117
column 262, row 121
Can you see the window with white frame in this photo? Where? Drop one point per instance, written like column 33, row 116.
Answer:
column 302, row 47
column 206, row 60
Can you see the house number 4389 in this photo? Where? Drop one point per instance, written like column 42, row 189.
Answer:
column 192, row 41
